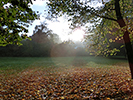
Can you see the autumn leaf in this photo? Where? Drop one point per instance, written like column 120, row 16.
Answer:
column 72, row 83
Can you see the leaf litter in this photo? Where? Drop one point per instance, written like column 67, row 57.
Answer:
column 75, row 83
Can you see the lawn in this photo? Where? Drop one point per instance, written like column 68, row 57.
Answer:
column 68, row 78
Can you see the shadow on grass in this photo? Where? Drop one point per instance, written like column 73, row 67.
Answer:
column 21, row 63
column 79, row 62
column 97, row 60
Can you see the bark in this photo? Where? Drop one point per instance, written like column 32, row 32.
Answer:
column 128, row 46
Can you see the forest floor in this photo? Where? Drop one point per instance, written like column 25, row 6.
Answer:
column 68, row 78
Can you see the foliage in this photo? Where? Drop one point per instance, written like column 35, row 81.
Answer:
column 63, row 49
column 105, row 41
column 27, row 49
column 41, row 44
column 15, row 17
column 34, row 49
column 54, row 80
column 68, row 49
column 43, row 34
column 103, row 19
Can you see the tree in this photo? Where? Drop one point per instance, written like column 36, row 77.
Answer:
column 82, row 12
column 44, row 39
column 41, row 33
column 63, row 49
column 41, row 44
column 15, row 17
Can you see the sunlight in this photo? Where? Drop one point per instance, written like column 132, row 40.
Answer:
column 77, row 35
column 60, row 27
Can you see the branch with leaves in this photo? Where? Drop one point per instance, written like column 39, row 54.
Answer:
column 15, row 17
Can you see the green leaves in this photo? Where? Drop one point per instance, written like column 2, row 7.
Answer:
column 110, row 40
column 13, row 17
column 104, row 21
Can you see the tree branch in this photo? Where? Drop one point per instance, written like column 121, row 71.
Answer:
column 117, row 10
column 106, row 17
column 93, row 13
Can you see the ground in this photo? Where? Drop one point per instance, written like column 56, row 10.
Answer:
column 79, row 78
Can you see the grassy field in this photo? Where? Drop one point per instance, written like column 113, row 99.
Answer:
column 14, row 65
column 20, row 63
column 76, row 78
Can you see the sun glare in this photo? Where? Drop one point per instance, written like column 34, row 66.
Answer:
column 77, row 35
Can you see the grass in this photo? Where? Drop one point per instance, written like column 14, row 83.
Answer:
column 25, row 62
column 69, row 78
column 13, row 65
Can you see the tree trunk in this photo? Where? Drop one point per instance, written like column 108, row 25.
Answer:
column 126, row 37
column 128, row 46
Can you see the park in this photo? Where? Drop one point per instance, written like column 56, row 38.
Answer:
column 65, row 78
column 66, row 50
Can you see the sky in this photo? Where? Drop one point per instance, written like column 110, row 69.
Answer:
column 60, row 27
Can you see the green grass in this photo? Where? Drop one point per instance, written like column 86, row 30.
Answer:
column 17, row 64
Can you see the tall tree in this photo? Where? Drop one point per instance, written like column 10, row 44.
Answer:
column 82, row 12
column 41, row 33
column 15, row 17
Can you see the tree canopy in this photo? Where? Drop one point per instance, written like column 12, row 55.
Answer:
column 15, row 17
column 102, row 17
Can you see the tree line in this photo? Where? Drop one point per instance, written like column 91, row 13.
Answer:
column 43, row 43
column 47, row 49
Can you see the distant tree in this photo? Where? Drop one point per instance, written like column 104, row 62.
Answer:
column 82, row 12
column 44, row 40
column 9, row 50
column 15, row 17
column 41, row 33
column 55, row 38
column 25, row 50
column 34, row 49
column 80, row 51
column 41, row 44
column 63, row 49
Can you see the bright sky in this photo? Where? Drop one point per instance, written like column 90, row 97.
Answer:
column 60, row 27
column 40, row 6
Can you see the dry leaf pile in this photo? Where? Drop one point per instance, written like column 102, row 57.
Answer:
column 75, row 83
